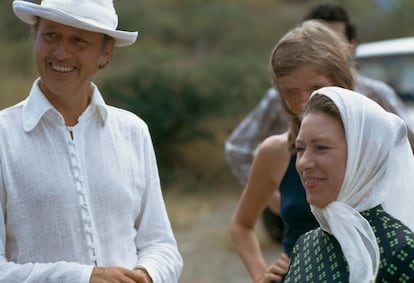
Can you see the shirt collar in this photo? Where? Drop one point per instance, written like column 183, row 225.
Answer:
column 37, row 105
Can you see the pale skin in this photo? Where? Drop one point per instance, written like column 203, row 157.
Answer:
column 268, row 168
column 321, row 158
column 67, row 59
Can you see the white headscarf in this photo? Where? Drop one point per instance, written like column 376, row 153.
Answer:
column 379, row 170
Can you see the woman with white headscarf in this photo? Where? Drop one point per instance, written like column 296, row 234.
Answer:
column 357, row 167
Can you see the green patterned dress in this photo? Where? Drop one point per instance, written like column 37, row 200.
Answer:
column 317, row 256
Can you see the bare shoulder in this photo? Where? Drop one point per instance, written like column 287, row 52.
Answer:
column 271, row 160
column 274, row 145
column 273, row 148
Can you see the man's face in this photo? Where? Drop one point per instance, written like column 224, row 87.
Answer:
column 67, row 58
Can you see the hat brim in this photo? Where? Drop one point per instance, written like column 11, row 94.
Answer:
column 28, row 12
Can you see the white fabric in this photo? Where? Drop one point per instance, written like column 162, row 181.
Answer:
column 92, row 15
column 380, row 170
column 68, row 203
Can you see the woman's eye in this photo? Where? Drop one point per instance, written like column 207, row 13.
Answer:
column 300, row 148
column 321, row 147
column 316, row 88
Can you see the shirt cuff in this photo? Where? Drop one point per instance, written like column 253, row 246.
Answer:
column 86, row 273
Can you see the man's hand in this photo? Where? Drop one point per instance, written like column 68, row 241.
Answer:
column 119, row 275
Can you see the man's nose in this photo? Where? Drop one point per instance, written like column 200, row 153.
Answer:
column 62, row 49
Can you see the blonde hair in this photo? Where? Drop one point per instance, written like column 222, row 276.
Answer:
column 311, row 43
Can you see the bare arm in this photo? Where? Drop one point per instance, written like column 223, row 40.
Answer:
column 268, row 169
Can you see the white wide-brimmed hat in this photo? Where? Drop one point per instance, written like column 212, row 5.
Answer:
column 92, row 15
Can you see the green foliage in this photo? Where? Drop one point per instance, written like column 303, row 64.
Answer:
column 176, row 99
column 208, row 26
column 16, row 58
column 165, row 99
column 10, row 28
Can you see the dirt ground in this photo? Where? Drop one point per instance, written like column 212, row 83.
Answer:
column 201, row 226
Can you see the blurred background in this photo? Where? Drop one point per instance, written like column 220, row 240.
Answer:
column 198, row 67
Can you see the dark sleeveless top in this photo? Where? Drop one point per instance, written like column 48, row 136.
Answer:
column 318, row 257
column 294, row 209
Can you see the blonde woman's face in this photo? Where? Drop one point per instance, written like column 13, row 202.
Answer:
column 297, row 87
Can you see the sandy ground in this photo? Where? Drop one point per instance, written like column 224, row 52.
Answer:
column 201, row 226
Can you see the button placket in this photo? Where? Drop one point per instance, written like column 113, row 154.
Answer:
column 83, row 204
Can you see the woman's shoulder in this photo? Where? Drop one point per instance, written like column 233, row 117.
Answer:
column 393, row 236
column 274, row 145
column 312, row 235
column 319, row 240
column 273, row 148
column 396, row 243
column 313, row 253
column 386, row 226
column 271, row 159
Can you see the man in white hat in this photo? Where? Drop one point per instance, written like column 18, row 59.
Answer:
column 80, row 197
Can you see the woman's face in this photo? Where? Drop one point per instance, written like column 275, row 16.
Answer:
column 297, row 87
column 321, row 158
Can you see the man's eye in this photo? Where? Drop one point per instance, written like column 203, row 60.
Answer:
column 50, row 35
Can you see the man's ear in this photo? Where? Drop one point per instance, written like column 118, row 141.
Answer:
column 106, row 53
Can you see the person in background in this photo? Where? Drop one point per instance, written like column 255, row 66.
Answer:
column 80, row 196
column 355, row 162
column 307, row 58
column 268, row 119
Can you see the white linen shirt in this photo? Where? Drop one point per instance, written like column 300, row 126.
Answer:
column 68, row 204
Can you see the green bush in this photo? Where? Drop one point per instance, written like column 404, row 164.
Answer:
column 176, row 98
column 167, row 101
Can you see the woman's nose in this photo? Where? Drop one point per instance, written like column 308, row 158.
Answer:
column 304, row 161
